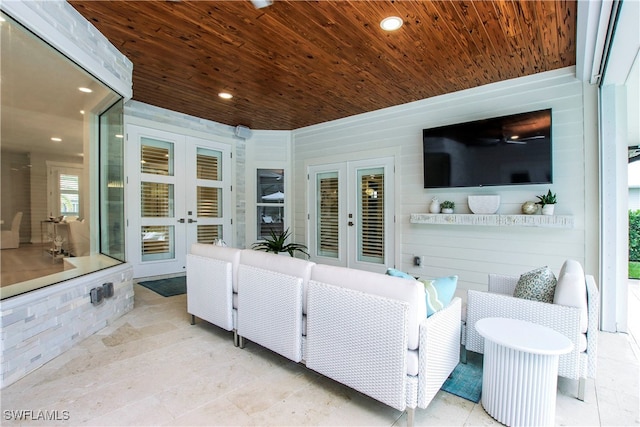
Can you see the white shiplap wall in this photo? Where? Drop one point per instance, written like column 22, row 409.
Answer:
column 472, row 252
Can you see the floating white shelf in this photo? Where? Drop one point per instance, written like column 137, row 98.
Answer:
column 556, row 221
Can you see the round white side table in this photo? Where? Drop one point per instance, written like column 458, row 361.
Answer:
column 520, row 370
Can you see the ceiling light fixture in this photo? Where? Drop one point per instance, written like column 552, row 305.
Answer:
column 259, row 4
column 225, row 95
column 56, row 139
column 85, row 89
column 391, row 23
column 81, row 111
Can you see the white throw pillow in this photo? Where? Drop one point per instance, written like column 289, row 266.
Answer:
column 571, row 290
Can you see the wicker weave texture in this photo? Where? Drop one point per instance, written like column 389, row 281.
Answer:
column 439, row 350
column 221, row 253
column 500, row 284
column 270, row 310
column 593, row 301
column 565, row 320
column 209, row 290
column 358, row 339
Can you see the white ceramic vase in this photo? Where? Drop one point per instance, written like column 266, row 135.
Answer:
column 434, row 206
column 548, row 209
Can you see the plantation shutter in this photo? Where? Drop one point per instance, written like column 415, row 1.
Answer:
column 328, row 224
column 371, row 215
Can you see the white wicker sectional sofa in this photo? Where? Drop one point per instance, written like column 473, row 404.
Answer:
column 366, row 330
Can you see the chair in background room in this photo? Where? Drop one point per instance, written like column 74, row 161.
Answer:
column 10, row 239
column 79, row 243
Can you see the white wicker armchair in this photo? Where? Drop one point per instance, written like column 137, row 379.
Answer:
column 498, row 302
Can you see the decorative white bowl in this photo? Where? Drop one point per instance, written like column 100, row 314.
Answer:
column 484, row 205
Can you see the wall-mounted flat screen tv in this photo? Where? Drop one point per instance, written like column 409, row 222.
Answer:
column 508, row 150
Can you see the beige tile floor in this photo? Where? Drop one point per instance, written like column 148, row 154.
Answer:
column 151, row 367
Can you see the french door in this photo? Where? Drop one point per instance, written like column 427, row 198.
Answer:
column 351, row 214
column 179, row 194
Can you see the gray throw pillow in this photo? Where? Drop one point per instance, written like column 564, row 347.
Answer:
column 537, row 285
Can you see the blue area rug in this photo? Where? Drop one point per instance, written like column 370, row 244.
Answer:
column 167, row 287
column 466, row 379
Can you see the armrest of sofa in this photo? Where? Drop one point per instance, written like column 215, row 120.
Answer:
column 439, row 351
column 359, row 339
column 563, row 319
column 501, row 284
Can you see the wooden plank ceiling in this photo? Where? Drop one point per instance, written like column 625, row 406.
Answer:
column 298, row 63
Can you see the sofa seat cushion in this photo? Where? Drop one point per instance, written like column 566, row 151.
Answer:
column 412, row 362
column 571, row 290
column 582, row 343
column 410, row 291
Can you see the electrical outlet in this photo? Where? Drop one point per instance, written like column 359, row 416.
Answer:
column 108, row 289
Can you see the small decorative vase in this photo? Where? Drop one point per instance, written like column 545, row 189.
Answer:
column 447, row 211
column 548, row 209
column 434, row 207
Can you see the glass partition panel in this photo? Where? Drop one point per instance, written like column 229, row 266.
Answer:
column 48, row 125
column 112, row 225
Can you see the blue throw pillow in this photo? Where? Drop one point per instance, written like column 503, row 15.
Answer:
column 439, row 292
column 397, row 273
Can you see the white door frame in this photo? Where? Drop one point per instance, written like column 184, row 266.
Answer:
column 184, row 178
column 347, row 202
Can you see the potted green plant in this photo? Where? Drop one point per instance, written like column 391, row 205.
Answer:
column 447, row 206
column 277, row 243
column 548, row 202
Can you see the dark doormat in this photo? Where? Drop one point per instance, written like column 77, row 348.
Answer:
column 167, row 287
column 466, row 379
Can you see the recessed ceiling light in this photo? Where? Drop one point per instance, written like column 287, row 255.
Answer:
column 225, row 95
column 85, row 89
column 81, row 111
column 119, row 136
column 391, row 23
column 56, row 139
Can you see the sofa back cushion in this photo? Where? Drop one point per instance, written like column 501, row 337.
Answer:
column 410, row 291
column 571, row 290
column 284, row 264
column 221, row 253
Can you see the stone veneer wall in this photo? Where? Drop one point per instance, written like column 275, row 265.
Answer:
column 39, row 325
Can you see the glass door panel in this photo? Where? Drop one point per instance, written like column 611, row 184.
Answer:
column 156, row 157
column 157, row 200
column 158, row 242
column 371, row 218
column 207, row 210
column 327, row 205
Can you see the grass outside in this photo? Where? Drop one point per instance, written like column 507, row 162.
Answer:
column 634, row 270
